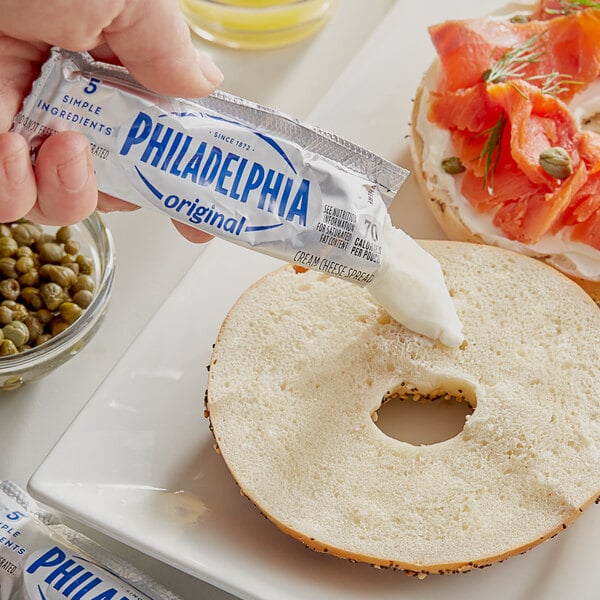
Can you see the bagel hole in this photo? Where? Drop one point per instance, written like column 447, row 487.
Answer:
column 424, row 418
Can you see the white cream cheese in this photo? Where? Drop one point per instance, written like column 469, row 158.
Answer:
column 410, row 285
column 573, row 258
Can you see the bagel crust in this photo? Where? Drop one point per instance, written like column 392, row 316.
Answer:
column 303, row 361
column 445, row 208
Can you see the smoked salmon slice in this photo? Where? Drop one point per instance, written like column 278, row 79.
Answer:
column 538, row 121
column 528, row 219
column 503, row 95
column 588, row 232
column 467, row 109
column 566, row 44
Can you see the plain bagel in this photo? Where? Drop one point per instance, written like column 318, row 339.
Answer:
column 303, row 360
column 446, row 206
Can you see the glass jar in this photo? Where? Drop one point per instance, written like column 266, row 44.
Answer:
column 256, row 24
column 96, row 242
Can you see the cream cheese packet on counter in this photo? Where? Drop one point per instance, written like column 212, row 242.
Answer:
column 243, row 172
column 43, row 559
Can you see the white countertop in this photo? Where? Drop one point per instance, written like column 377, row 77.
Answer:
column 330, row 80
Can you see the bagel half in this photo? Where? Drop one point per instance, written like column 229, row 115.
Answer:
column 446, row 207
column 303, row 360
column 449, row 208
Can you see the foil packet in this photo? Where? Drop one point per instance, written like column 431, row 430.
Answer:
column 43, row 559
column 222, row 164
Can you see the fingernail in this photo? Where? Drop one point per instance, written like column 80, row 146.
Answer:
column 210, row 69
column 74, row 173
column 15, row 168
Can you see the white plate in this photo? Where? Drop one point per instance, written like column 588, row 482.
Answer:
column 138, row 463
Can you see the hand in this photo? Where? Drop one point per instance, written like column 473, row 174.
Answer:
column 149, row 37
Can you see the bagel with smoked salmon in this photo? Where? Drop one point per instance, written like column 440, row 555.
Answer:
column 303, row 362
column 505, row 135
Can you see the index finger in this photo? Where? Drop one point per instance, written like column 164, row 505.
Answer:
column 153, row 41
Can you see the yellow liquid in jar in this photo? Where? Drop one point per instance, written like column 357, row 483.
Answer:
column 256, row 24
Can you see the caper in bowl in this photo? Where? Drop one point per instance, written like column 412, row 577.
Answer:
column 55, row 284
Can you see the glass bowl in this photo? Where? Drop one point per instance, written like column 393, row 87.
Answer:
column 95, row 242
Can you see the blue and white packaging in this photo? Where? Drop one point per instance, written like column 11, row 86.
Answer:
column 43, row 559
column 222, row 164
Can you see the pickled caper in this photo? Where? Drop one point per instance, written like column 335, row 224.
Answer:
column 8, row 267
column 35, row 327
column 68, row 258
column 8, row 246
column 7, row 347
column 33, row 297
column 63, row 234
column 452, row 165
column 25, row 251
column 72, row 247
column 30, row 278
column 59, row 274
column 44, row 316
column 24, row 264
column 83, row 298
column 19, row 311
column 44, row 238
column 6, row 315
column 70, row 312
column 57, row 325
column 52, row 295
column 520, row 18
column 556, row 162
column 51, row 252
column 83, row 282
column 73, row 266
column 43, row 338
column 86, row 264
column 10, row 288
column 26, row 234
column 10, row 304
column 17, row 332
column 45, row 284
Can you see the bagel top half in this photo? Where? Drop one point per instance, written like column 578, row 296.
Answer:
column 303, row 361
column 430, row 145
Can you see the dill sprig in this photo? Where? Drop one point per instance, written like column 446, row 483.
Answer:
column 554, row 83
column 490, row 152
column 512, row 65
column 514, row 61
column 570, row 6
